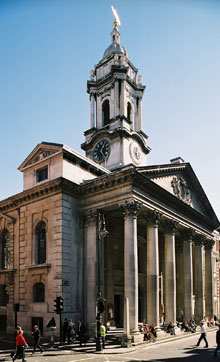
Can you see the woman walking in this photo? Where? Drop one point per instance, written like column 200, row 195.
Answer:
column 20, row 345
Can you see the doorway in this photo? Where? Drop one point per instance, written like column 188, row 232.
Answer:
column 3, row 323
column 117, row 310
column 37, row 321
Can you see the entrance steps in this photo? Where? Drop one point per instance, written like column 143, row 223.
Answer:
column 114, row 335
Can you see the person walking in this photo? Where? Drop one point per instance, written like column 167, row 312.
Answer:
column 71, row 333
column 37, row 336
column 81, row 332
column 217, row 341
column 20, row 345
column 103, row 333
column 65, row 329
column 203, row 335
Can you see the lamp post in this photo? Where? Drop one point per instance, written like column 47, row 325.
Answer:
column 101, row 234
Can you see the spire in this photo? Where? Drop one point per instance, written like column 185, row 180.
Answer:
column 115, row 32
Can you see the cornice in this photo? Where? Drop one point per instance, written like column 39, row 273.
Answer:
column 150, row 188
column 106, row 182
column 117, row 132
column 39, row 192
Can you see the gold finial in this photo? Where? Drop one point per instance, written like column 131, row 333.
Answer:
column 117, row 19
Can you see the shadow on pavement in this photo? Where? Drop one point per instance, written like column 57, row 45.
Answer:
column 196, row 355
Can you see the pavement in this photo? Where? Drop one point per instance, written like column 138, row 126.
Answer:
column 111, row 346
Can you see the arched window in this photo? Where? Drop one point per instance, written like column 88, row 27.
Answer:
column 4, row 297
column 4, row 250
column 38, row 293
column 40, row 249
column 129, row 111
column 105, row 112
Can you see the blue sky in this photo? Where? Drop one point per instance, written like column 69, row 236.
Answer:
column 48, row 47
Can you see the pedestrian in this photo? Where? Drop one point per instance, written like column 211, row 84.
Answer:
column 203, row 335
column 20, row 345
column 81, row 332
column 171, row 329
column 103, row 333
column 65, row 329
column 71, row 332
column 37, row 336
column 217, row 341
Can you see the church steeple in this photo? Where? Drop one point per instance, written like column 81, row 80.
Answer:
column 116, row 93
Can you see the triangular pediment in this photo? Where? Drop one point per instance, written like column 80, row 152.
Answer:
column 181, row 181
column 41, row 152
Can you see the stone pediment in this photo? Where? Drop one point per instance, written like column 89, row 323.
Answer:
column 181, row 181
column 41, row 152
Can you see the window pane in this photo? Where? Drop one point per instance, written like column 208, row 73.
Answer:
column 41, row 243
column 38, row 293
column 42, row 174
column 5, row 250
column 4, row 296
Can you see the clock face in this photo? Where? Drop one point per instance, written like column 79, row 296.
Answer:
column 101, row 151
column 135, row 153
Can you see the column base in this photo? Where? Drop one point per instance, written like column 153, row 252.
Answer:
column 160, row 332
column 137, row 337
column 91, row 328
column 126, row 341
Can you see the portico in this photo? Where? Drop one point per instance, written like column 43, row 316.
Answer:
column 179, row 257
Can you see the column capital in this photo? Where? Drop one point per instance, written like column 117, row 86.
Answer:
column 198, row 239
column 130, row 208
column 90, row 217
column 153, row 218
column 170, row 226
column 208, row 244
column 187, row 234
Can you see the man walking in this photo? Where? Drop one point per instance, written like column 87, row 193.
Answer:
column 81, row 332
column 203, row 335
column 217, row 341
column 37, row 337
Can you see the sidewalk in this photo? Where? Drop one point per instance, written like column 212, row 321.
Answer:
column 110, row 348
column 113, row 348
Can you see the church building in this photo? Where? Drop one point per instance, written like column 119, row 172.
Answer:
column 107, row 222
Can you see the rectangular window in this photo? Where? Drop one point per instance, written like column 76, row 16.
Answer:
column 42, row 174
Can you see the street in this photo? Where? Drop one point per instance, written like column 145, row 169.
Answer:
column 172, row 351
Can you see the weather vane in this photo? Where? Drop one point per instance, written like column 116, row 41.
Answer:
column 117, row 19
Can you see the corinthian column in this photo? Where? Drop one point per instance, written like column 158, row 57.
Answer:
column 139, row 111
column 90, row 240
column 208, row 243
column 198, row 288
column 170, row 272
column 179, row 280
column 152, row 269
column 122, row 98
column 187, row 274
column 92, row 110
column 130, row 210
column 116, row 98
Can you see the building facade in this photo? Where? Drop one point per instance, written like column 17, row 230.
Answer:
column 161, row 249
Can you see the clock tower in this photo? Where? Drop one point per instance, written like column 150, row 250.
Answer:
column 115, row 138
